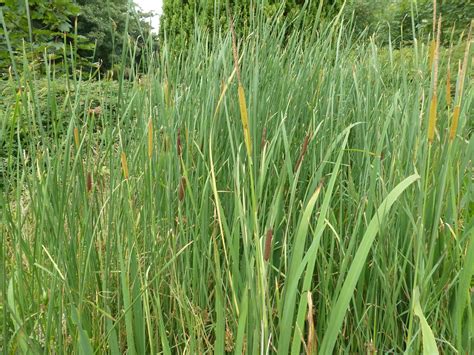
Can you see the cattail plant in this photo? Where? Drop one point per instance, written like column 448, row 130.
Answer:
column 433, row 34
column 434, row 98
column 150, row 138
column 179, row 147
column 461, row 78
column 166, row 93
column 448, row 84
column 181, row 188
column 131, row 271
column 304, row 147
column 241, row 92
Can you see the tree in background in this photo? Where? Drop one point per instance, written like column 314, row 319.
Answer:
column 456, row 18
column 43, row 27
column 104, row 22
column 94, row 28
column 406, row 19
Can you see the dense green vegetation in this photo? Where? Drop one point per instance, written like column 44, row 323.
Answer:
column 402, row 19
column 181, row 18
column 304, row 191
column 94, row 29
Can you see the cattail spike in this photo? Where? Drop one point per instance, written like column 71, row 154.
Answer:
column 432, row 118
column 245, row 119
column 179, row 148
column 454, row 123
column 89, row 182
column 448, row 87
column 123, row 158
column 76, row 137
column 432, row 52
column 182, row 188
column 268, row 245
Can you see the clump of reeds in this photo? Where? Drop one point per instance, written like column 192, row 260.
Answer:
column 461, row 78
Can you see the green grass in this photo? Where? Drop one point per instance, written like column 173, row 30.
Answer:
column 374, row 222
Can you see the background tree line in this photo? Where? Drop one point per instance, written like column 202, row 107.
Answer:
column 400, row 17
column 93, row 29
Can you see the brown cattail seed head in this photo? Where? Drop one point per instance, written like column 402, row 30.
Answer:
column 89, row 182
column 182, row 188
column 268, row 245
column 178, row 144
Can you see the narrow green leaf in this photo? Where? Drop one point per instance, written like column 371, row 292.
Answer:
column 429, row 342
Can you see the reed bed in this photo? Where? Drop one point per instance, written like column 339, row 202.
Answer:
column 157, row 224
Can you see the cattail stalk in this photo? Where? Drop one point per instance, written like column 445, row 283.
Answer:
column 434, row 98
column 462, row 73
column 123, row 157
column 166, row 93
column 448, row 85
column 304, row 148
column 433, row 41
column 242, row 101
column 150, row 138
column 234, row 50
